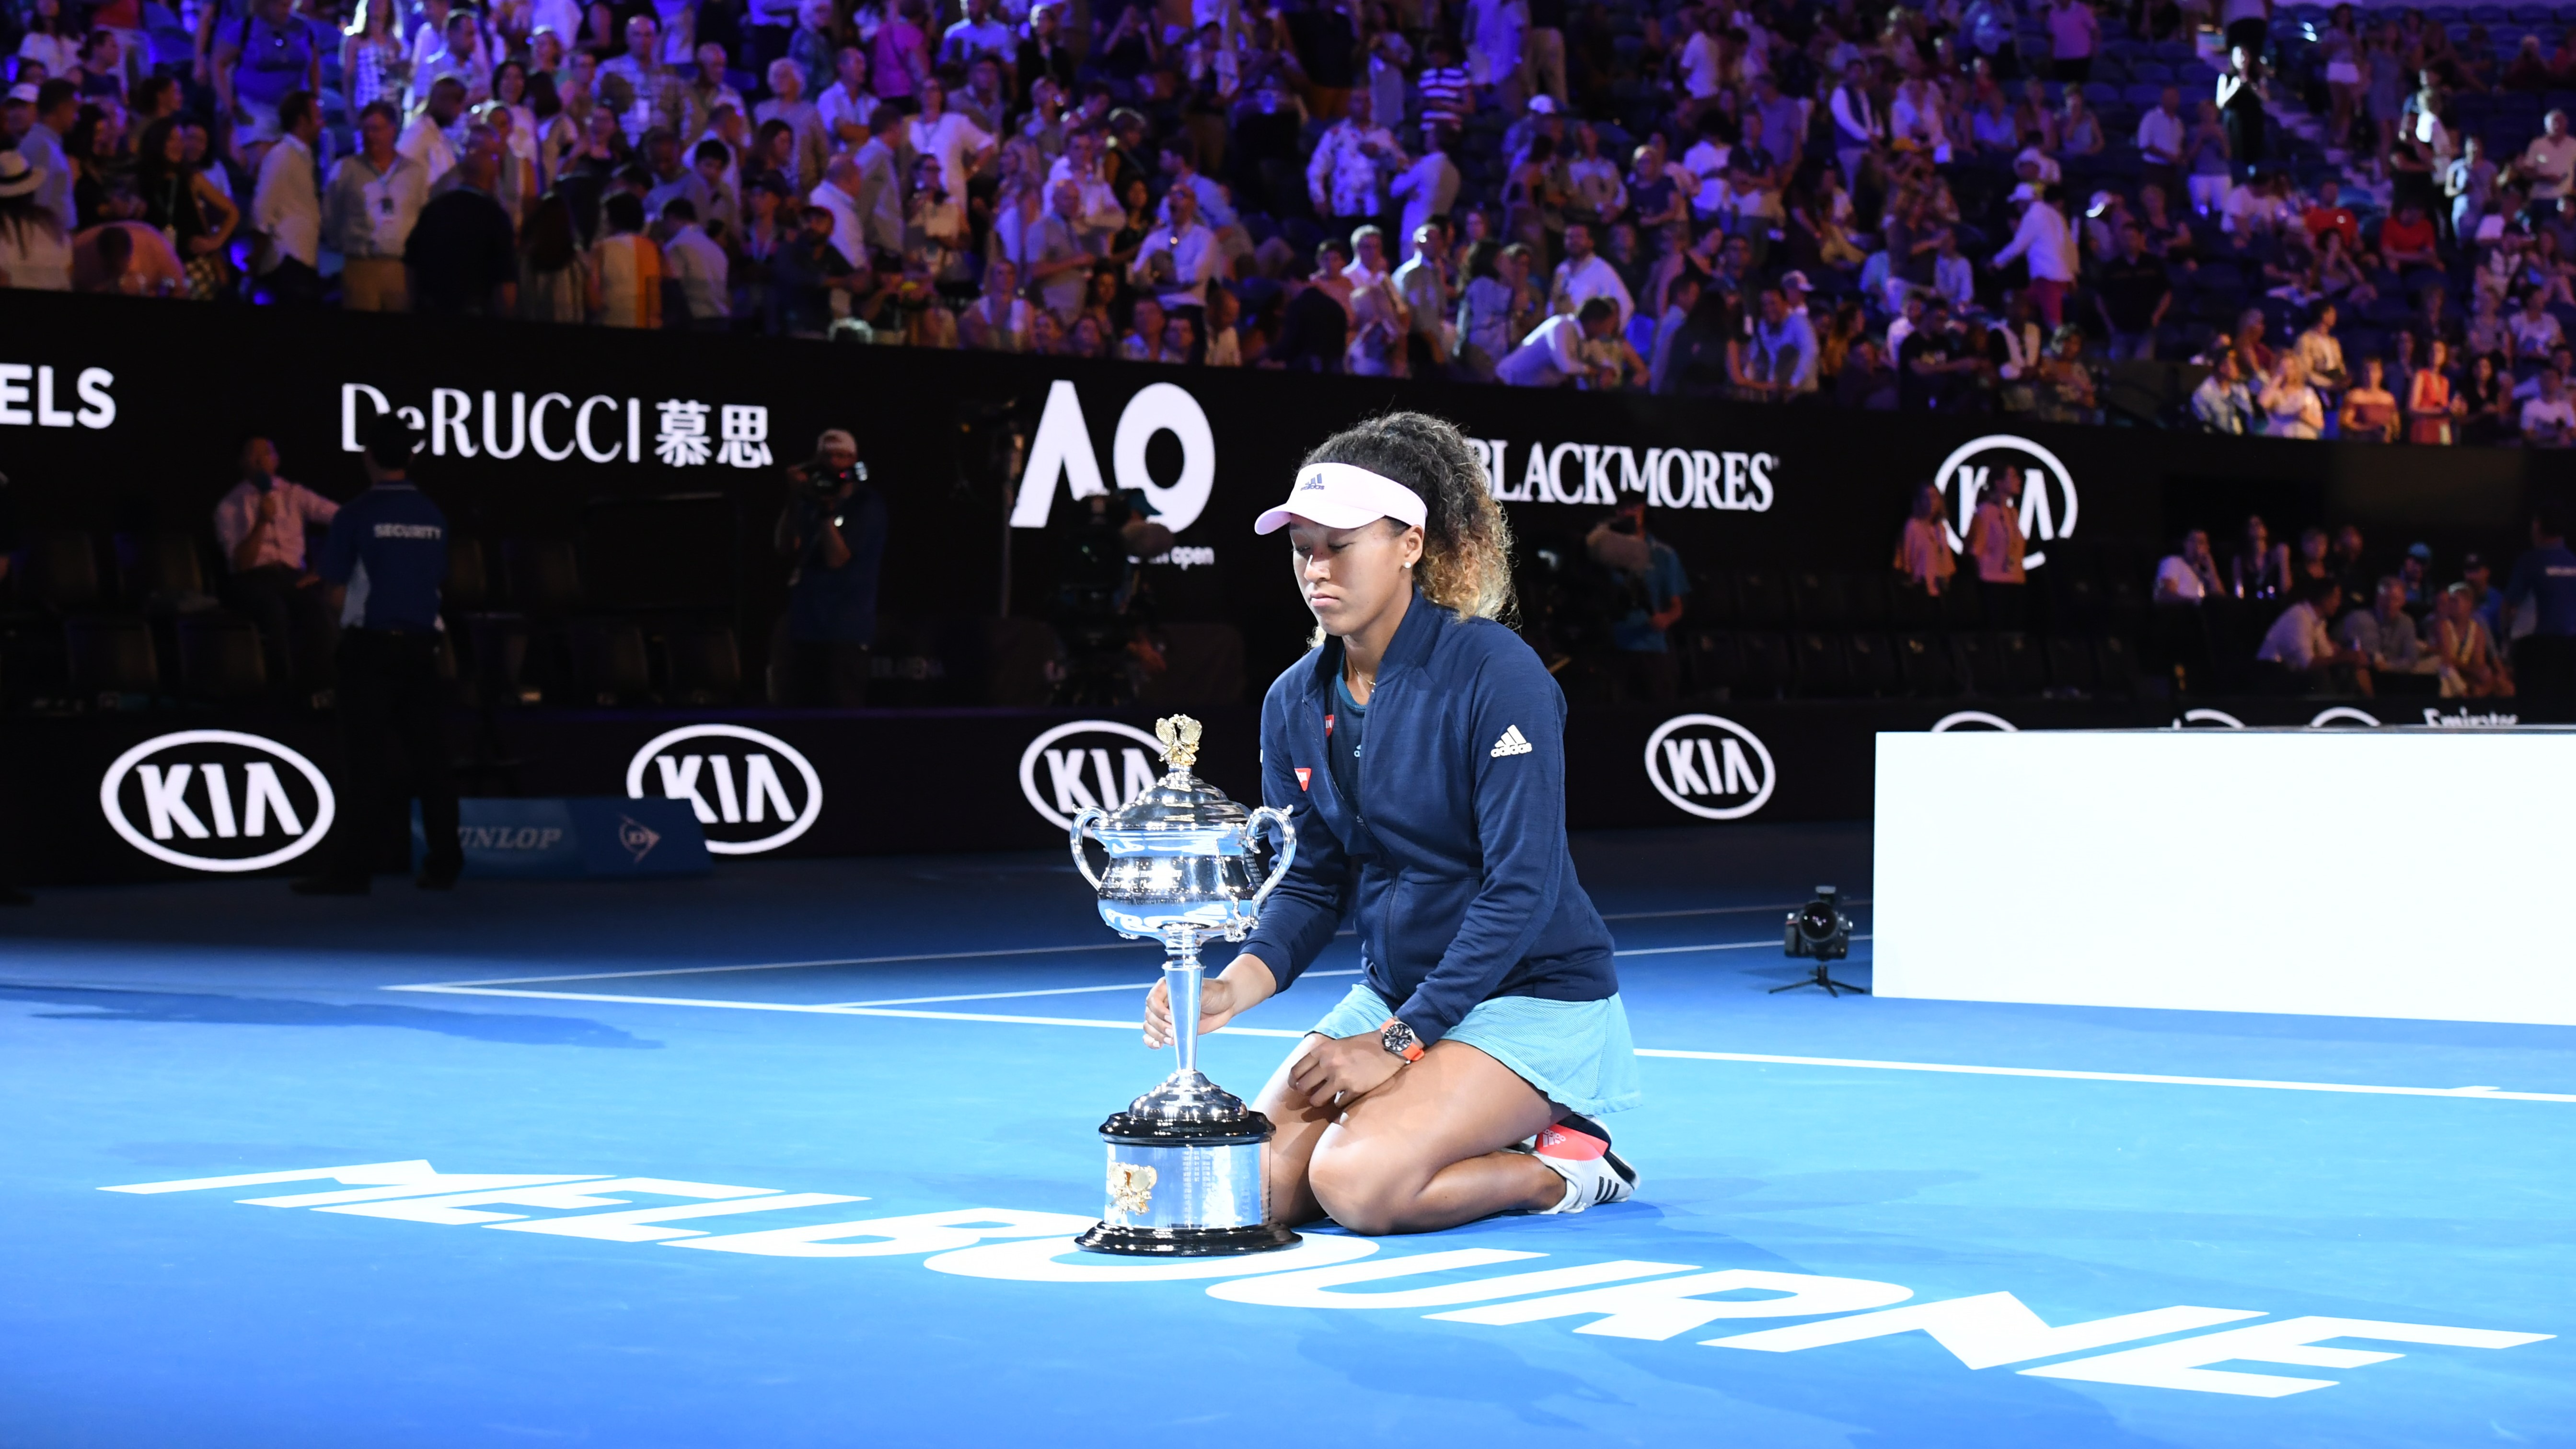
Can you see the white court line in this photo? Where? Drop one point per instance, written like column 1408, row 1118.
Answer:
column 1712, row 946
column 2481, row 1092
column 1709, row 911
column 793, row 965
column 1050, row 991
column 2469, row 1093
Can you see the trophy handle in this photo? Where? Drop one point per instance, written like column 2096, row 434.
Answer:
column 1277, row 818
column 1083, row 819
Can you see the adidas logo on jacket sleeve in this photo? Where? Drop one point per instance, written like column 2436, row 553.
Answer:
column 1512, row 743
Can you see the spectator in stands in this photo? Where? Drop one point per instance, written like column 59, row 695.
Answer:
column 698, row 264
column 261, row 524
column 2384, row 635
column 2042, row 238
column 35, row 248
column 2431, row 411
column 2464, row 650
column 2223, row 403
column 2190, row 574
column 2260, row 569
column 2544, row 660
column 2290, row 406
column 2132, row 295
column 374, row 201
column 2549, row 162
column 462, row 256
column 1995, row 542
column 2322, row 353
column 1923, row 556
column 2300, row 651
column 628, row 266
column 2369, row 412
column 2549, row 420
column 1553, row 353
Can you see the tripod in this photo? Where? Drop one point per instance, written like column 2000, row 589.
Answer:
column 1832, row 987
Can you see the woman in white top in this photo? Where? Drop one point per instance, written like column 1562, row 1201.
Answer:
column 35, row 253
column 2292, row 408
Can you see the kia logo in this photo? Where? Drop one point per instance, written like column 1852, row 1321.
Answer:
column 1085, row 763
column 1972, row 719
column 2047, row 513
column 217, row 800
column 753, row 792
column 1714, row 768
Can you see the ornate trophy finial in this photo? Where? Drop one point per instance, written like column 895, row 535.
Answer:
column 1180, row 737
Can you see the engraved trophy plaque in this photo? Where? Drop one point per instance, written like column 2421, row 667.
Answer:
column 1185, row 1159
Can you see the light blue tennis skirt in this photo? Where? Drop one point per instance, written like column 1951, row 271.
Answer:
column 1576, row 1053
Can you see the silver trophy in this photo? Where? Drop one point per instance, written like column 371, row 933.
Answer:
column 1185, row 1174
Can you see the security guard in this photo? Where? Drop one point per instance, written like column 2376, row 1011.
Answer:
column 384, row 561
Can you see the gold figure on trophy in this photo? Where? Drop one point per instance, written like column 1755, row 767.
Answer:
column 1131, row 1186
column 1180, row 737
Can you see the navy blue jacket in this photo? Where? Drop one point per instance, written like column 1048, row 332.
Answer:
column 1453, row 862
column 389, row 545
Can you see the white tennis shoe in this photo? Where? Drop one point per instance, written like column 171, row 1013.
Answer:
column 1578, row 1150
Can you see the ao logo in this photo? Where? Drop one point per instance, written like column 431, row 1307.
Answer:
column 755, row 806
column 1062, row 449
column 1081, row 769
column 1714, row 768
column 2045, row 517
column 217, row 800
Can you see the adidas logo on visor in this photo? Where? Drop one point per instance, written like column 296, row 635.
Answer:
column 1512, row 743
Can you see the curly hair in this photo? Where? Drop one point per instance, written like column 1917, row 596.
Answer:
column 1466, row 543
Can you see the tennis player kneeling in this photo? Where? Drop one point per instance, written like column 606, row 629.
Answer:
column 1420, row 749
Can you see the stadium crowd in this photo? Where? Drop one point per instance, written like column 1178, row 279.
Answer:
column 2354, row 224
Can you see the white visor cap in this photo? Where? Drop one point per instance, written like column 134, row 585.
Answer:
column 1338, row 495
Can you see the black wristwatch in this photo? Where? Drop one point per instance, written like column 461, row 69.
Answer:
column 1399, row 1041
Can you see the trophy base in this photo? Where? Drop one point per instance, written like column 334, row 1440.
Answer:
column 1185, row 1242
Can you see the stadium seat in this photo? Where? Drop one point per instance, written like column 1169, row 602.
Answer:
column 1761, row 598
column 545, row 575
column 2020, row 663
column 2071, row 666
column 61, row 570
column 704, row 665
column 163, row 570
column 1818, row 660
column 608, row 663
column 1979, row 670
column 1872, row 662
column 111, row 656
column 1816, row 599
column 220, row 658
column 469, row 583
column 1923, row 663
column 1765, row 668
column 1865, row 599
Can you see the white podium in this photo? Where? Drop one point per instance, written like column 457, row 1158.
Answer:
column 2361, row 872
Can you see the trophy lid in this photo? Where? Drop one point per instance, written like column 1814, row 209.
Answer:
column 1180, row 802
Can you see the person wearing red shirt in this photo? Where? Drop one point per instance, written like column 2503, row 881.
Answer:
column 2407, row 240
column 2329, row 214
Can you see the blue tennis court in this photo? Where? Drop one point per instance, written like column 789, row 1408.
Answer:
column 789, row 1156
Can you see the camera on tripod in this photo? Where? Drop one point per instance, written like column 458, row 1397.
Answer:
column 1819, row 928
column 1820, row 932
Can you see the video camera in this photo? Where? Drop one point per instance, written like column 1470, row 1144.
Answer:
column 817, row 480
column 1819, row 931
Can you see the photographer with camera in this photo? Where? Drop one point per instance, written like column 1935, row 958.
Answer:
column 834, row 527
column 1650, row 581
column 1097, row 612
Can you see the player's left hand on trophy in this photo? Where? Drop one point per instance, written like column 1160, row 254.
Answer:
column 1219, row 1003
column 1342, row 1068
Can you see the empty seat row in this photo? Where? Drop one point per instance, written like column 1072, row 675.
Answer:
column 110, row 660
column 2078, row 588
column 1818, row 664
